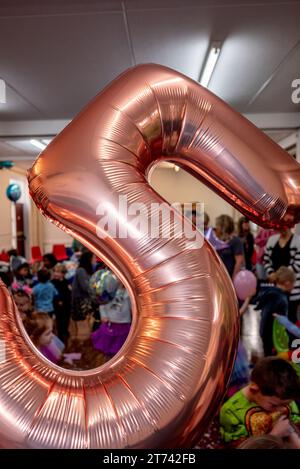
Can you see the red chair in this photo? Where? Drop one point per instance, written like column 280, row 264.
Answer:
column 36, row 255
column 4, row 257
column 60, row 252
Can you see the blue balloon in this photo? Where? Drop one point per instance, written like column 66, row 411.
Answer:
column 13, row 192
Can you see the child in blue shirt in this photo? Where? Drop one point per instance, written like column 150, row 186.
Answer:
column 44, row 292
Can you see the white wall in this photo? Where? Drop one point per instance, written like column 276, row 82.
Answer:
column 38, row 230
column 182, row 187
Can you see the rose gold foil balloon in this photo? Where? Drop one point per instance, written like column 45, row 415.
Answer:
column 166, row 383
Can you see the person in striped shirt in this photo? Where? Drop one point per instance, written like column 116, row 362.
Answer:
column 283, row 249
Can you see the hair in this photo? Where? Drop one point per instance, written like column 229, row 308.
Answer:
column 276, row 377
column 24, row 265
column 226, row 225
column 43, row 275
column 22, row 294
column 51, row 258
column 59, row 267
column 206, row 218
column 12, row 252
column 36, row 325
column 284, row 274
column 242, row 220
column 85, row 262
column 262, row 442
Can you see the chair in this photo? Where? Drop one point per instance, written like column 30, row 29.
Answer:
column 60, row 252
column 4, row 257
column 36, row 255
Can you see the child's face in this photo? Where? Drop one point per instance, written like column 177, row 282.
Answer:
column 269, row 403
column 288, row 286
column 58, row 275
column 46, row 337
column 24, row 271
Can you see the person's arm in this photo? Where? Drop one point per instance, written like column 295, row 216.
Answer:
column 231, row 428
column 239, row 264
column 285, row 322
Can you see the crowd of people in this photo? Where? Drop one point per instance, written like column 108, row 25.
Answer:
column 53, row 298
column 261, row 402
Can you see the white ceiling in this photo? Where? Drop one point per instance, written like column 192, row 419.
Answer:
column 57, row 54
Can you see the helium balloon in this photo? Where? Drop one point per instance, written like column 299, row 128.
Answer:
column 245, row 284
column 169, row 378
column 103, row 285
column 13, row 192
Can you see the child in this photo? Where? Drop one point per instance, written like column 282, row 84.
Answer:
column 274, row 300
column 44, row 292
column 24, row 304
column 40, row 330
column 23, row 278
column 62, row 304
column 265, row 405
column 115, row 324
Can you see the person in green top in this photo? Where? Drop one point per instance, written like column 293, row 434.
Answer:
column 265, row 406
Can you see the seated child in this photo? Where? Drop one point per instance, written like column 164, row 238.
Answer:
column 40, row 330
column 24, row 304
column 115, row 324
column 274, row 300
column 44, row 292
column 265, row 405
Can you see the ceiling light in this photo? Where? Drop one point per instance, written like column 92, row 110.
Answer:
column 210, row 63
column 38, row 144
column 46, row 141
column 2, row 92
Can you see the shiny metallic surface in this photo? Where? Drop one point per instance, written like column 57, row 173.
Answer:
column 166, row 383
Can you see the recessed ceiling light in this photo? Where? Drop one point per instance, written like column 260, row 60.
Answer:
column 38, row 144
column 210, row 63
column 46, row 141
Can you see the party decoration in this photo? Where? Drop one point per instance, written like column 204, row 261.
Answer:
column 13, row 192
column 103, row 286
column 6, row 164
column 245, row 284
column 166, row 383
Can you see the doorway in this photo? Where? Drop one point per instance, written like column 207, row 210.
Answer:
column 20, row 234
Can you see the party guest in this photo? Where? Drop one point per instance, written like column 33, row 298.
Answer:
column 274, row 300
column 44, row 292
column 260, row 242
column 62, row 304
column 24, row 304
column 115, row 324
column 82, row 307
column 265, row 406
column 284, row 250
column 232, row 251
column 40, row 330
column 245, row 235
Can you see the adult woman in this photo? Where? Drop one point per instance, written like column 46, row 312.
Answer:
column 231, row 248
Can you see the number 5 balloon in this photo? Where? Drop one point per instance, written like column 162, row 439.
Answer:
column 166, row 383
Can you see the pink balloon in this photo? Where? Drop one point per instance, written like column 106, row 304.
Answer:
column 245, row 284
